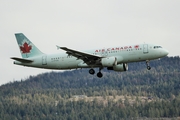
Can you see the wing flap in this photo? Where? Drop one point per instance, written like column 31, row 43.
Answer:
column 22, row 60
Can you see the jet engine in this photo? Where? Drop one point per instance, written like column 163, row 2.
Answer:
column 109, row 61
column 119, row 67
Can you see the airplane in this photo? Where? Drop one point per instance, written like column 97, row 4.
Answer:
column 112, row 58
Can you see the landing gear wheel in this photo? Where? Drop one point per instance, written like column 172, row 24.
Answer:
column 148, row 67
column 91, row 71
column 99, row 74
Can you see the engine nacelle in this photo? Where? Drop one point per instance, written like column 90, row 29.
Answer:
column 119, row 67
column 109, row 61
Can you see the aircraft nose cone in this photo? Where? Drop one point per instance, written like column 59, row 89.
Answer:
column 166, row 52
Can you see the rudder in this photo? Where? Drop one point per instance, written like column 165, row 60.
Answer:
column 27, row 48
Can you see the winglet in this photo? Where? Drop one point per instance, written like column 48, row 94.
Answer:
column 58, row 47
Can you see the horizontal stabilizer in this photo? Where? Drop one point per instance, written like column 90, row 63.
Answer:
column 22, row 60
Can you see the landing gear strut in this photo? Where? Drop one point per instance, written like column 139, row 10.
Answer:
column 147, row 63
column 99, row 74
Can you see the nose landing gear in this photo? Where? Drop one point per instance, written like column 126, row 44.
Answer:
column 148, row 66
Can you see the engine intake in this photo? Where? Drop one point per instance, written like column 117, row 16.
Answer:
column 119, row 67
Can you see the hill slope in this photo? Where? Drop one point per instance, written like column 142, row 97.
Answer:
column 135, row 93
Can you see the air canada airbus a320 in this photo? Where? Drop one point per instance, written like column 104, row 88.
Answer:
column 113, row 58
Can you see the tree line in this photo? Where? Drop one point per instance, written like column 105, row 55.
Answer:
column 47, row 95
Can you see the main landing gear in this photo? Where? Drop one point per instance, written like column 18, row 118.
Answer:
column 147, row 63
column 99, row 74
column 91, row 71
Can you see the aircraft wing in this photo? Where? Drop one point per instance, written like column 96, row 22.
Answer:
column 86, row 57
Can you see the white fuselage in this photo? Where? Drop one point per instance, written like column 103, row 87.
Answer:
column 124, row 54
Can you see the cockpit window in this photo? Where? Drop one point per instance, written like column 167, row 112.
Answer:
column 157, row 47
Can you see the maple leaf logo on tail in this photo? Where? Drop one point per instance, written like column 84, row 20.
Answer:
column 25, row 48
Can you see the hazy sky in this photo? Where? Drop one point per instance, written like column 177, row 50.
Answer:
column 84, row 24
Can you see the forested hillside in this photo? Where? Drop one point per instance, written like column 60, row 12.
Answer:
column 73, row 95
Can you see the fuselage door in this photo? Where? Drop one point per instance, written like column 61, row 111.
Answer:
column 145, row 48
column 44, row 60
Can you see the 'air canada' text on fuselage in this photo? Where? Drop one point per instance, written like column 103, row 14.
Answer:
column 117, row 48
